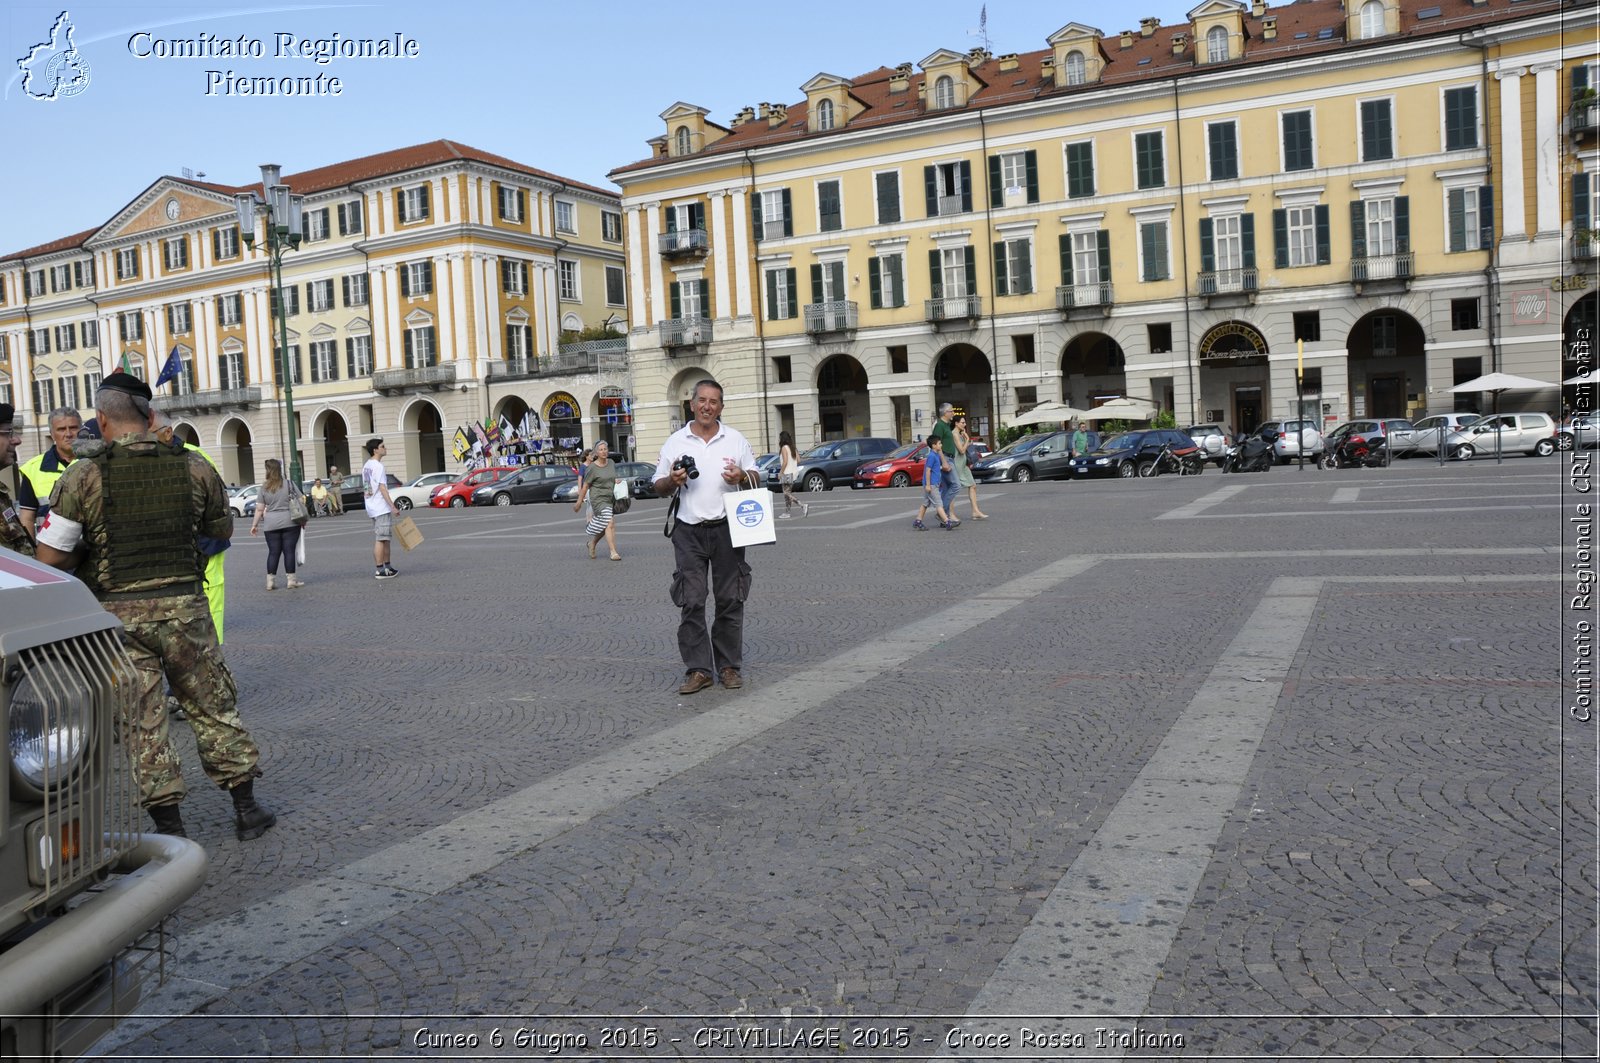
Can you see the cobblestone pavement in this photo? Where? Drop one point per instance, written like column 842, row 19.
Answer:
column 1267, row 766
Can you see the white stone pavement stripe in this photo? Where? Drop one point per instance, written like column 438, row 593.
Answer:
column 1086, row 963
column 1384, row 510
column 1204, row 502
column 1345, row 494
column 258, row 940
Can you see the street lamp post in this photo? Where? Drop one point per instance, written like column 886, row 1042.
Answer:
column 282, row 215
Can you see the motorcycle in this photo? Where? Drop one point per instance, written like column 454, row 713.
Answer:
column 1190, row 464
column 1355, row 452
column 1252, row 455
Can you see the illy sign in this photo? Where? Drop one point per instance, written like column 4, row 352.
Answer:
column 1530, row 308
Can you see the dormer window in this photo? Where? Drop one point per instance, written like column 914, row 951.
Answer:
column 824, row 115
column 1371, row 19
column 682, row 141
column 1076, row 71
column 944, row 92
column 1217, row 44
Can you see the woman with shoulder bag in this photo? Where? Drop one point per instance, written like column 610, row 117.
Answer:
column 275, row 512
column 788, row 466
column 599, row 487
column 963, row 459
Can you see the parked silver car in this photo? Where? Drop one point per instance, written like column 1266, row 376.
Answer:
column 1517, row 433
column 1285, row 437
column 1424, row 436
column 1580, row 431
column 1212, row 439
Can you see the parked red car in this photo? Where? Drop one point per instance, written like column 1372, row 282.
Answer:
column 901, row 467
column 459, row 494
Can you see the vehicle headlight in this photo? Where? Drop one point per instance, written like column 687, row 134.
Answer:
column 1102, row 461
column 878, row 468
column 51, row 709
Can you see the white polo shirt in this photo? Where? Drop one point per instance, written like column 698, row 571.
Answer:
column 702, row 496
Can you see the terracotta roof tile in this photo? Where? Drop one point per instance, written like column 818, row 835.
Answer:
column 1149, row 59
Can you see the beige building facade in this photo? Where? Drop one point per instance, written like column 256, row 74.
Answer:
column 1393, row 195
column 432, row 287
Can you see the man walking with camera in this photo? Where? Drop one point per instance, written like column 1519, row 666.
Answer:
column 700, row 463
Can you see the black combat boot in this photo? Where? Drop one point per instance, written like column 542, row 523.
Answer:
column 251, row 819
column 168, row 820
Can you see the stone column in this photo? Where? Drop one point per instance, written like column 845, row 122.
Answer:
column 720, row 253
column 741, row 252
column 1547, row 150
column 1512, row 181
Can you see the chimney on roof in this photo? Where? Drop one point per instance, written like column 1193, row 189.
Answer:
column 1047, row 68
column 746, row 114
column 778, row 115
column 1269, row 28
column 1009, row 61
column 900, row 78
column 977, row 55
column 766, row 109
column 1258, row 7
column 1178, row 41
column 1147, row 26
column 1127, row 39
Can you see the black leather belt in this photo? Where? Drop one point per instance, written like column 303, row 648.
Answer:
column 709, row 523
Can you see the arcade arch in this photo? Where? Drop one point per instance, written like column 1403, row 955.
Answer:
column 1387, row 365
column 1235, row 382
column 422, row 430
column 1093, row 371
column 235, row 454
column 843, row 409
column 330, row 444
column 963, row 377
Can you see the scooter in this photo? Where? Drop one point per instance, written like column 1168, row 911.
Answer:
column 1252, row 455
column 1354, row 452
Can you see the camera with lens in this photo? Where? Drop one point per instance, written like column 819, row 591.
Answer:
column 686, row 463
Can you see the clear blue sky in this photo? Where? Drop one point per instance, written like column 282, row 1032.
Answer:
column 575, row 88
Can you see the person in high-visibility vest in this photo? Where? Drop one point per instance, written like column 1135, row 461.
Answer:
column 40, row 472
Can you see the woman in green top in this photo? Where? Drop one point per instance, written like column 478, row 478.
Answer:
column 599, row 487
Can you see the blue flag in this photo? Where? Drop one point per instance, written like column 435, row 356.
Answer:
column 170, row 370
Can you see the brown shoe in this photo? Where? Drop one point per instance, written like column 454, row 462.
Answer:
column 731, row 678
column 695, row 682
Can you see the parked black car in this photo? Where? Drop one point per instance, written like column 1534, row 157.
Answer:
column 833, row 464
column 1120, row 455
column 536, row 483
column 1033, row 457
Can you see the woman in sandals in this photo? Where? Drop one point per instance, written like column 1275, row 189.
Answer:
column 599, row 486
column 963, row 469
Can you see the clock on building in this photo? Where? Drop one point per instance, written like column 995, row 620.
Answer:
column 173, row 209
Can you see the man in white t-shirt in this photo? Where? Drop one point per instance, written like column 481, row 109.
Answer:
column 380, row 507
column 701, row 544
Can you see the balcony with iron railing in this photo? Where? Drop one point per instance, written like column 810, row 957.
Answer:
column 964, row 308
column 590, row 356
column 1240, row 281
column 684, row 242
column 951, row 205
column 1071, row 297
column 836, row 316
column 679, row 332
column 1586, row 246
column 212, row 399
column 1395, row 267
column 1585, row 117
column 432, row 377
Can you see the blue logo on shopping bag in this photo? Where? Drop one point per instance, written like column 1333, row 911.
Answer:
column 750, row 513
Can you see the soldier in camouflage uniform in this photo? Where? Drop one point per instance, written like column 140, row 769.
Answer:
column 129, row 518
column 13, row 536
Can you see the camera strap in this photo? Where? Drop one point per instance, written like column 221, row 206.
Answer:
column 672, row 514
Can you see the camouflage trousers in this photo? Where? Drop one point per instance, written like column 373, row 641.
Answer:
column 172, row 640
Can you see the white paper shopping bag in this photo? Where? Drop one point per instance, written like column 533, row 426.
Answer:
column 750, row 517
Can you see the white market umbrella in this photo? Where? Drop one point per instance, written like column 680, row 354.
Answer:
column 1495, row 383
column 1121, row 409
column 1046, row 413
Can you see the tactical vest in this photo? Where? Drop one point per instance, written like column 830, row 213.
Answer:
column 147, row 502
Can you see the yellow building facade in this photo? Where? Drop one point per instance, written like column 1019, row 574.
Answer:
column 433, row 286
column 1380, row 191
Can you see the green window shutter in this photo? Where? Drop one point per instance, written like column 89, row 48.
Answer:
column 705, row 298
column 997, row 194
column 675, row 298
column 788, row 281
column 930, row 180
column 972, row 270
column 1402, row 224
column 1102, row 251
column 1024, row 268
column 897, row 281
column 755, row 216
column 1247, row 238
column 966, row 185
column 697, row 216
column 216, row 243
column 1148, row 244
column 828, row 210
column 1065, row 242
column 1280, row 238
column 1580, row 80
column 1208, row 251
column 1580, row 202
column 1324, row 240
column 1358, row 229
column 888, row 198
column 788, row 214
column 836, row 279
column 1000, row 278
column 405, row 284
column 772, row 295
column 875, row 282
column 424, row 211
column 522, row 204
column 935, row 276
column 1485, row 217
column 1457, row 211
column 672, row 220
column 344, row 285
column 816, row 283
column 410, row 350
column 1031, row 165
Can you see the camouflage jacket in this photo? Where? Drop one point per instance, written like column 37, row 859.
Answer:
column 13, row 536
column 77, row 498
